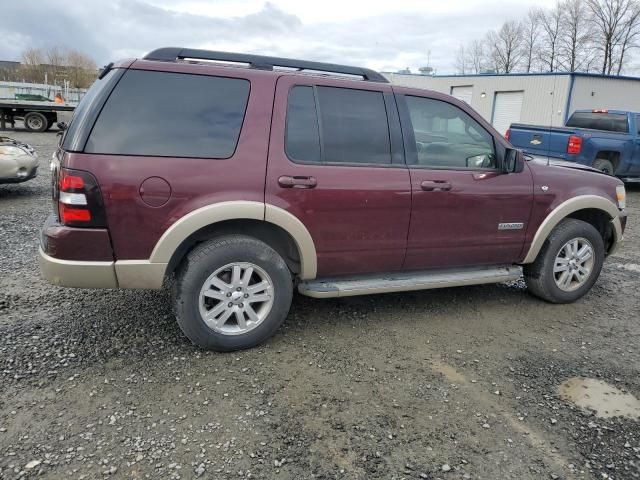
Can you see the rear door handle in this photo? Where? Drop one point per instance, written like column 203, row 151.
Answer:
column 288, row 181
column 435, row 185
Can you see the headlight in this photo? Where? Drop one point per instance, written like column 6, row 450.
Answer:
column 11, row 150
column 621, row 195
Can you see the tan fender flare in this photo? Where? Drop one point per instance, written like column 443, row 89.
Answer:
column 150, row 273
column 301, row 236
column 565, row 209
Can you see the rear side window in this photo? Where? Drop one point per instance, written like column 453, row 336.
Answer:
column 171, row 115
column 337, row 125
column 303, row 136
column 608, row 122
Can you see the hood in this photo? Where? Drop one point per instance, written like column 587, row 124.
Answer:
column 562, row 163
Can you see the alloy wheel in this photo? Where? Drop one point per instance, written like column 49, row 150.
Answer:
column 236, row 298
column 573, row 264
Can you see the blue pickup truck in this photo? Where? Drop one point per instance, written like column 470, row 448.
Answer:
column 608, row 140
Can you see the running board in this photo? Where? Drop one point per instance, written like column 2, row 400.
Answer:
column 407, row 281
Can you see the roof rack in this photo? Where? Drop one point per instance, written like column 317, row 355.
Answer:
column 170, row 54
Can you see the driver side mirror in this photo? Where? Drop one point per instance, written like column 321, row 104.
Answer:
column 513, row 161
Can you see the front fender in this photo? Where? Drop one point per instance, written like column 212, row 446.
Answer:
column 565, row 209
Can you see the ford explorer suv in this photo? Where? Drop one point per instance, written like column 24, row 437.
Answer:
column 607, row 140
column 240, row 178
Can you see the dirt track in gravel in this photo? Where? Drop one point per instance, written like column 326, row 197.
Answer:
column 457, row 383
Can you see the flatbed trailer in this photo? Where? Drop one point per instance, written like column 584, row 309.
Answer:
column 37, row 116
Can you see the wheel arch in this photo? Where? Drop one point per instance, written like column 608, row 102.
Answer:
column 596, row 210
column 278, row 228
column 612, row 155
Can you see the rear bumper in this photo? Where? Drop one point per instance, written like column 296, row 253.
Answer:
column 77, row 244
column 75, row 273
column 76, row 257
column 83, row 258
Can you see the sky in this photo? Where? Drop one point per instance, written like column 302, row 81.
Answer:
column 386, row 36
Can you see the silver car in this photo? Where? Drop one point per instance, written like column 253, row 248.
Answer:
column 18, row 161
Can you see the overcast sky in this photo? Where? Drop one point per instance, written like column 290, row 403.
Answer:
column 385, row 35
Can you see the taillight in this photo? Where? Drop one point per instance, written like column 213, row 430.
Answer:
column 575, row 145
column 79, row 199
column 507, row 134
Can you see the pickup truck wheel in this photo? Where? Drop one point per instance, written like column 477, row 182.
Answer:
column 35, row 122
column 604, row 165
column 568, row 264
column 232, row 292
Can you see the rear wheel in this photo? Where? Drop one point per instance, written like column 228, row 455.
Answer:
column 568, row 264
column 35, row 122
column 604, row 165
column 231, row 293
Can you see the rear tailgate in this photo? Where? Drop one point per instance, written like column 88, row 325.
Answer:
column 537, row 140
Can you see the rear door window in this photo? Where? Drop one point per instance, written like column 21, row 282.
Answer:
column 608, row 122
column 337, row 125
column 354, row 126
column 172, row 115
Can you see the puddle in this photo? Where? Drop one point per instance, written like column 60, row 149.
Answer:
column 604, row 399
column 449, row 372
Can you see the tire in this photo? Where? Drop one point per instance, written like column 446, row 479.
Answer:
column 35, row 122
column 51, row 121
column 604, row 165
column 223, row 255
column 539, row 275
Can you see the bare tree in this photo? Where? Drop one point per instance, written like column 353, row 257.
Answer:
column 476, row 56
column 505, row 46
column 574, row 48
column 81, row 69
column 615, row 24
column 575, row 35
column 55, row 58
column 461, row 61
column 57, row 65
column 530, row 38
column 551, row 25
column 629, row 35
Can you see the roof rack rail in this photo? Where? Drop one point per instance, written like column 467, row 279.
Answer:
column 169, row 54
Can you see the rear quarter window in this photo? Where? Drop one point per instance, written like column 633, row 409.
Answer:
column 171, row 115
column 608, row 122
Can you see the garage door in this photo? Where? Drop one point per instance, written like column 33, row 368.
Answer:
column 463, row 93
column 506, row 110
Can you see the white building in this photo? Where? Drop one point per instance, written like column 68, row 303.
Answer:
column 536, row 98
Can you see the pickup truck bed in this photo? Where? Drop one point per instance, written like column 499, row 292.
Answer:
column 614, row 149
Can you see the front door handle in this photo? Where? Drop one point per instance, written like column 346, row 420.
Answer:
column 288, row 181
column 435, row 185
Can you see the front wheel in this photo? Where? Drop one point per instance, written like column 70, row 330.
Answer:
column 231, row 293
column 568, row 264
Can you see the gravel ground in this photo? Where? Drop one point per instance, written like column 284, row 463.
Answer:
column 449, row 384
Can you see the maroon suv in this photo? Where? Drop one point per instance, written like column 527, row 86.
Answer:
column 245, row 176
